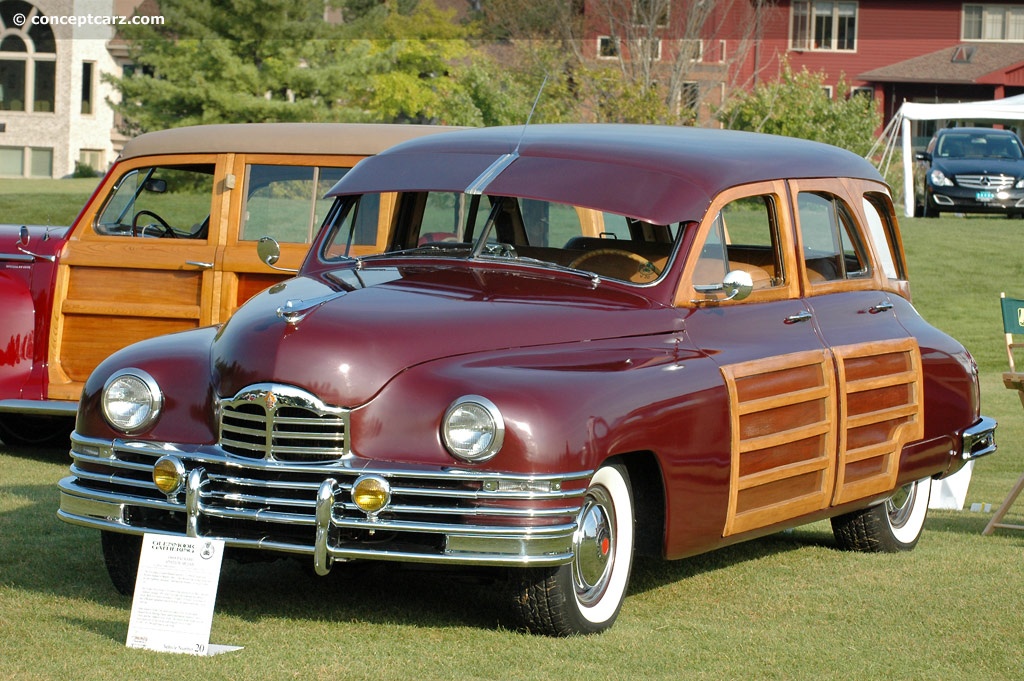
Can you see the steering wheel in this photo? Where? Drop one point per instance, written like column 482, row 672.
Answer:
column 168, row 231
column 646, row 266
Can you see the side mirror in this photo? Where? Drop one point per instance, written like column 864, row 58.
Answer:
column 736, row 285
column 922, row 156
column 269, row 251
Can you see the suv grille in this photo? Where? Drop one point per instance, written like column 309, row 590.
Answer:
column 282, row 423
column 993, row 182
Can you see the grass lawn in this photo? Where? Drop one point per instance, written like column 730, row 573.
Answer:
column 44, row 202
column 788, row 606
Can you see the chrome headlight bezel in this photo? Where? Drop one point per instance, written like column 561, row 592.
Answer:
column 473, row 429
column 131, row 400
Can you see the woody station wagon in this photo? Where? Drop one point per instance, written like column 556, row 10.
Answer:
column 583, row 342
column 166, row 243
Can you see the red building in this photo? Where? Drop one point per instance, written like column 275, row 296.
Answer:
column 896, row 50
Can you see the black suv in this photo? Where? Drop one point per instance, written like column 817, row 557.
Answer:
column 972, row 170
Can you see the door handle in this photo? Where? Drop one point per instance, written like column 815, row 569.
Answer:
column 884, row 306
column 802, row 316
column 199, row 264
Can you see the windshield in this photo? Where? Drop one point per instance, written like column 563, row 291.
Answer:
column 160, row 201
column 454, row 225
column 979, row 145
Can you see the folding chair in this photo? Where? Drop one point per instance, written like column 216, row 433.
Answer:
column 1013, row 323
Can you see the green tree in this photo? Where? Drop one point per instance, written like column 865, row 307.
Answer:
column 796, row 106
column 218, row 61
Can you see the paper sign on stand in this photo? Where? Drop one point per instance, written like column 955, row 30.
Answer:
column 175, row 592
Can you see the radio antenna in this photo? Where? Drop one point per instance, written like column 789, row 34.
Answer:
column 530, row 117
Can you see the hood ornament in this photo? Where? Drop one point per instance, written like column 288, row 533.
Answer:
column 295, row 310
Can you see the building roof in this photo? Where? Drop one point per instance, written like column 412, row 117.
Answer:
column 357, row 139
column 965, row 63
column 660, row 174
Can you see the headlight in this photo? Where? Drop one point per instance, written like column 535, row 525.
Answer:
column 939, row 179
column 1020, row 183
column 131, row 400
column 473, row 429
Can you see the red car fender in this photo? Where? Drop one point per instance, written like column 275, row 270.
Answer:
column 16, row 343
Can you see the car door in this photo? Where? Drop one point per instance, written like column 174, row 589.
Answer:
column 140, row 263
column 779, row 379
column 878, row 364
column 281, row 197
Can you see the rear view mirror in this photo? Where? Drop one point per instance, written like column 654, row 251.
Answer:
column 155, row 186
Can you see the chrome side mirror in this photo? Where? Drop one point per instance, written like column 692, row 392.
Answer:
column 23, row 238
column 737, row 285
column 269, row 251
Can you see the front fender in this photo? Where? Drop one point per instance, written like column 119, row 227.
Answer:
column 565, row 407
column 18, row 339
column 180, row 363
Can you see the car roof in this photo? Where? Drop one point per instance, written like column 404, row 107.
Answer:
column 975, row 131
column 357, row 139
column 661, row 174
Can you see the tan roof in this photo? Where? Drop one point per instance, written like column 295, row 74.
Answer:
column 963, row 63
column 358, row 139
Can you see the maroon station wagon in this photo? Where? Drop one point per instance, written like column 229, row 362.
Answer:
column 583, row 342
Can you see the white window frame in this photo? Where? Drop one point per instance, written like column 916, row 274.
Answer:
column 614, row 43
column 803, row 40
column 995, row 22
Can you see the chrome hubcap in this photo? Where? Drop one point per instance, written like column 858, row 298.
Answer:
column 900, row 505
column 594, row 546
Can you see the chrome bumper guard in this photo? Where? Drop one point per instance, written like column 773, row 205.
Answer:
column 979, row 440
column 439, row 514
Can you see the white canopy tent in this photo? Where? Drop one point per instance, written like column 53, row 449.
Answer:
column 1008, row 109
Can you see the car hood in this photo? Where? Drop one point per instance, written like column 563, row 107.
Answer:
column 980, row 166
column 352, row 330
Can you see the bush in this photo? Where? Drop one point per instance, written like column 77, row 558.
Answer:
column 796, row 106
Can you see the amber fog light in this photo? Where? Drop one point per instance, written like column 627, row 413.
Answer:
column 371, row 493
column 168, row 474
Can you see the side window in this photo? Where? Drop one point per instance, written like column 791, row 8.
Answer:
column 832, row 247
column 882, row 232
column 159, row 202
column 744, row 236
column 286, row 202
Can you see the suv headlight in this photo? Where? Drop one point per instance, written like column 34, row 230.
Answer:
column 472, row 428
column 939, row 179
column 131, row 400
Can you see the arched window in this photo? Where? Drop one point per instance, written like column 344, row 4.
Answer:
column 28, row 59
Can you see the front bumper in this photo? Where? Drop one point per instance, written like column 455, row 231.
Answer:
column 443, row 515
column 967, row 200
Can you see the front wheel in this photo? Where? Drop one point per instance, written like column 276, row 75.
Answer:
column 121, row 555
column 893, row 526
column 585, row 596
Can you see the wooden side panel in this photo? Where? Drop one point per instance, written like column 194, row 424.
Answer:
column 108, row 308
column 882, row 406
column 782, row 412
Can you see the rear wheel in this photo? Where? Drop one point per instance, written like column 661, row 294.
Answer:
column 893, row 526
column 585, row 596
column 121, row 556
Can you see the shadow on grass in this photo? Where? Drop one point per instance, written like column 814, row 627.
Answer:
column 39, row 553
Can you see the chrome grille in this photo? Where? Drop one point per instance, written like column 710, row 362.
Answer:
column 282, row 423
column 992, row 182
